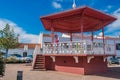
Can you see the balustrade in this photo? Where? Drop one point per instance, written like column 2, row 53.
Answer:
column 81, row 47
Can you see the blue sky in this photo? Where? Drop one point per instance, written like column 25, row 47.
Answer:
column 24, row 15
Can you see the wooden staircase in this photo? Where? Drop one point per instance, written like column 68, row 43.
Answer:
column 39, row 63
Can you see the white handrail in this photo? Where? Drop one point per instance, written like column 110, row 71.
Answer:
column 76, row 47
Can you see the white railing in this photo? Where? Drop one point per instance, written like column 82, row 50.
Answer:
column 81, row 47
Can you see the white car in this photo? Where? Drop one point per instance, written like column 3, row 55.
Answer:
column 28, row 58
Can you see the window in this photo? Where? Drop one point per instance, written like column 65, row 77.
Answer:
column 108, row 48
column 89, row 47
column 98, row 44
column 118, row 46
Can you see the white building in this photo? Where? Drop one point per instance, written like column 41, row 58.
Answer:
column 24, row 49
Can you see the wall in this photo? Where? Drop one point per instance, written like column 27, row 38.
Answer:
column 67, row 64
column 20, row 51
column 96, row 65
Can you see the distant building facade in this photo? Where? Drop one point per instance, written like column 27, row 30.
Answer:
column 24, row 49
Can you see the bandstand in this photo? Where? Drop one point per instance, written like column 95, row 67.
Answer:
column 85, row 56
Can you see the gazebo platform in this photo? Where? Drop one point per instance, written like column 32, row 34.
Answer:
column 77, row 63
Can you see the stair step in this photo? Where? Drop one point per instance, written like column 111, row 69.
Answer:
column 39, row 59
column 39, row 67
column 39, row 62
column 40, row 56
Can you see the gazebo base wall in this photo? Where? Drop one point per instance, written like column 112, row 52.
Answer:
column 68, row 64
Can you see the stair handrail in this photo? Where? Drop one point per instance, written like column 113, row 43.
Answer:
column 34, row 59
column 36, row 51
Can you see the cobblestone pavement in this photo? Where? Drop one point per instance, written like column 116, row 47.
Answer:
column 11, row 73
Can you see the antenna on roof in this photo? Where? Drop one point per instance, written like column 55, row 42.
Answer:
column 74, row 4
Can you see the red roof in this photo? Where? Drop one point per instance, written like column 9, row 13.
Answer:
column 71, row 21
column 31, row 46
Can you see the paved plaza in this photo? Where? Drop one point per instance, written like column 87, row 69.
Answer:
column 28, row 74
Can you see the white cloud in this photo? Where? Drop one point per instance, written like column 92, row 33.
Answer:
column 56, row 5
column 114, row 28
column 109, row 6
column 92, row 2
column 24, row 37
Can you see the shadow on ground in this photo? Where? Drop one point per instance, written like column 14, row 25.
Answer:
column 113, row 72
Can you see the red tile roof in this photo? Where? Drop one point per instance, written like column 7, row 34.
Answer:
column 72, row 20
column 32, row 46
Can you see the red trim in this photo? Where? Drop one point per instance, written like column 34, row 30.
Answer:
column 78, row 54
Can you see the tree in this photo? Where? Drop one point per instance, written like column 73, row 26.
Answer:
column 8, row 39
column 2, row 65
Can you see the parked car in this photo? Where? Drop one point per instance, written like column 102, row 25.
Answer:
column 113, row 61
column 17, row 56
column 118, row 59
column 28, row 58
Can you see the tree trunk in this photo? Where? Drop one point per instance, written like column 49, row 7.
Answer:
column 6, row 53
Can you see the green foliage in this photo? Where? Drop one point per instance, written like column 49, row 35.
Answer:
column 2, row 65
column 8, row 39
column 13, row 59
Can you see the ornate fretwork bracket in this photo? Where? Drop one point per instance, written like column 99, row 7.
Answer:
column 89, row 58
column 104, row 59
column 53, row 58
column 76, row 59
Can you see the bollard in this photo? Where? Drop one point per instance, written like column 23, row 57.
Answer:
column 19, row 75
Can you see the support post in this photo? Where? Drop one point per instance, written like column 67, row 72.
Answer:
column 70, row 42
column 52, row 32
column 82, row 31
column 103, row 40
column 82, row 38
column 115, row 47
column 92, row 38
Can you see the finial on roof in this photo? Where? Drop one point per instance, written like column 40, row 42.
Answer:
column 74, row 4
